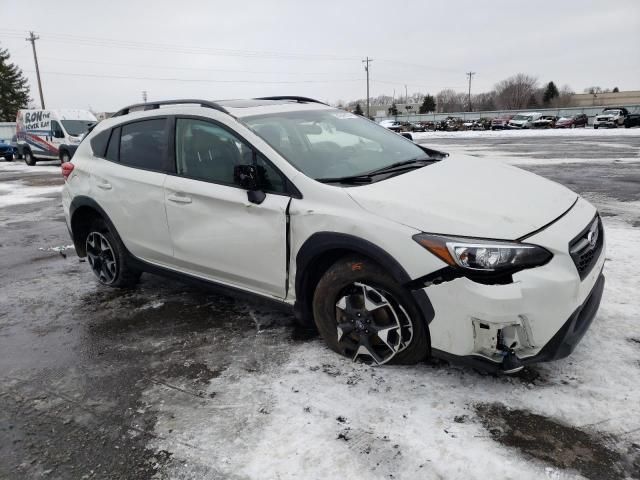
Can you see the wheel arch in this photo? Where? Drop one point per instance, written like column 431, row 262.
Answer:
column 323, row 249
column 82, row 212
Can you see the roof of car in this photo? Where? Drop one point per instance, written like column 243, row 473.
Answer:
column 236, row 108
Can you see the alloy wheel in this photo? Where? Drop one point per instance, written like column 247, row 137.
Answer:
column 101, row 257
column 371, row 324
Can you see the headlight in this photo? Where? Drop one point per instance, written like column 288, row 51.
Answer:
column 484, row 255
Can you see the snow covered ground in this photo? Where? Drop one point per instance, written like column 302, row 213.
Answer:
column 546, row 133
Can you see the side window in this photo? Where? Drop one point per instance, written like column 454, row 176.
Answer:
column 56, row 129
column 209, row 152
column 99, row 143
column 114, row 146
column 144, row 144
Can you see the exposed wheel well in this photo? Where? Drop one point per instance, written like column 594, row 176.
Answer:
column 81, row 222
column 312, row 274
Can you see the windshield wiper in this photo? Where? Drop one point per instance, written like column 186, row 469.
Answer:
column 404, row 165
column 368, row 176
column 353, row 179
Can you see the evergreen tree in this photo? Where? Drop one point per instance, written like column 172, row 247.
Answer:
column 14, row 91
column 615, row 90
column 358, row 110
column 550, row 93
column 393, row 110
column 428, row 104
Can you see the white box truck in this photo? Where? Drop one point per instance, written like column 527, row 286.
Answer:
column 50, row 134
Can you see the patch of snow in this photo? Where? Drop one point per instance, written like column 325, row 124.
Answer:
column 48, row 166
column 560, row 132
column 17, row 193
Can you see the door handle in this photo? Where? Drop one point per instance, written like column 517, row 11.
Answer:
column 104, row 185
column 179, row 198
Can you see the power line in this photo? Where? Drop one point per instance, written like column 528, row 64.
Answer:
column 203, row 80
column 470, row 75
column 32, row 38
column 81, row 40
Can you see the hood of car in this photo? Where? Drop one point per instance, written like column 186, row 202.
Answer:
column 467, row 196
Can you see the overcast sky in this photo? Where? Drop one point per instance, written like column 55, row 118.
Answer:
column 104, row 54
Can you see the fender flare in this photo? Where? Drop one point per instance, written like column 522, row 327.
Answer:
column 322, row 242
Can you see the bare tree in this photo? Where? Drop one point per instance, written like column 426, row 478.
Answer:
column 484, row 101
column 516, row 92
column 450, row 101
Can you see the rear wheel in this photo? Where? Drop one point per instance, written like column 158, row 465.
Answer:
column 107, row 257
column 364, row 314
column 8, row 158
column 29, row 159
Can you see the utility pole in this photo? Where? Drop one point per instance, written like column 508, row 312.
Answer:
column 406, row 95
column 366, row 62
column 32, row 38
column 144, row 96
column 470, row 75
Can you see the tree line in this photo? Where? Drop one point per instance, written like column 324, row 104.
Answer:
column 520, row 91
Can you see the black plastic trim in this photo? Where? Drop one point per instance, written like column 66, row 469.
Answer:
column 291, row 97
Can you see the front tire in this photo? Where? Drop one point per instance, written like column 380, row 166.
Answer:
column 8, row 158
column 364, row 314
column 29, row 159
column 108, row 258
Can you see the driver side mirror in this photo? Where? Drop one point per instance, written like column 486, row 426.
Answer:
column 249, row 178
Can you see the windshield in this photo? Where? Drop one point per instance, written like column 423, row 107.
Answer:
column 332, row 143
column 611, row 112
column 76, row 127
column 521, row 117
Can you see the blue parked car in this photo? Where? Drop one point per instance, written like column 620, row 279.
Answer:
column 7, row 150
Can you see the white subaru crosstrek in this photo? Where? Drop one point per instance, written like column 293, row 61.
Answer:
column 395, row 251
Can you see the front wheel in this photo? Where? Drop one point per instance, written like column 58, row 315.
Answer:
column 364, row 314
column 29, row 159
column 8, row 158
column 107, row 257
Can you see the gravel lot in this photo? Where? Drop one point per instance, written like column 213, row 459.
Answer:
column 169, row 381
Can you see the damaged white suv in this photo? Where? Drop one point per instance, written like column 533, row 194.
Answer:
column 394, row 250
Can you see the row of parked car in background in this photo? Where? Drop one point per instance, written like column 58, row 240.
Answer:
column 610, row 117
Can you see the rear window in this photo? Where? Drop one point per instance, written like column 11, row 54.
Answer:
column 144, row 144
column 99, row 143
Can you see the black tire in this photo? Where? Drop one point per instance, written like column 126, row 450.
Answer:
column 8, row 158
column 595, row 127
column 29, row 159
column 349, row 272
column 123, row 275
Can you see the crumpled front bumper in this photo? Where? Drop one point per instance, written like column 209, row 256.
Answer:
column 540, row 316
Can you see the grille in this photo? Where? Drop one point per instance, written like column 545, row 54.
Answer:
column 586, row 247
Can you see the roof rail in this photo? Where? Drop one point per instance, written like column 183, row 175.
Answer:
column 289, row 97
column 156, row 105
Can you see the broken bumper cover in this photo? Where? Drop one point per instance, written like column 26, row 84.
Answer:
column 560, row 346
column 539, row 316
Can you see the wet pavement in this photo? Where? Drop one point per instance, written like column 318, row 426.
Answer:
column 76, row 358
